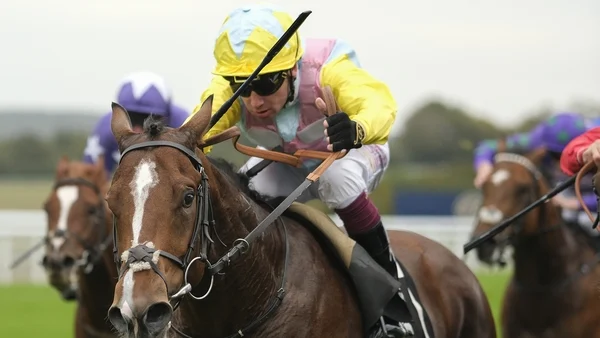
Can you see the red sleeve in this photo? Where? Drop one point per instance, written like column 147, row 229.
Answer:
column 570, row 159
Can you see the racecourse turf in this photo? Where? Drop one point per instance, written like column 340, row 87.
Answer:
column 37, row 311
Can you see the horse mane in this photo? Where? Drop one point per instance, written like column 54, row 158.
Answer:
column 153, row 127
column 240, row 180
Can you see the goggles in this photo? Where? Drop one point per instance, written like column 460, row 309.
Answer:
column 263, row 85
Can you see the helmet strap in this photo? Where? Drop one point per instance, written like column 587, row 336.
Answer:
column 291, row 91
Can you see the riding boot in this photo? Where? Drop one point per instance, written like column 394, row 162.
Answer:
column 376, row 243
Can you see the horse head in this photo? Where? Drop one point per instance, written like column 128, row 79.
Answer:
column 516, row 182
column 162, row 205
column 77, row 230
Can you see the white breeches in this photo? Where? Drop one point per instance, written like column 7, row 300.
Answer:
column 359, row 171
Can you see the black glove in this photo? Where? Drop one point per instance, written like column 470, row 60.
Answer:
column 343, row 133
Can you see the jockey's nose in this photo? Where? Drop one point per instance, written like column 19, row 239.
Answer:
column 256, row 101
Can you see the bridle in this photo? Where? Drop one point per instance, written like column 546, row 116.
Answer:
column 143, row 254
column 537, row 176
column 92, row 253
column 147, row 256
column 503, row 240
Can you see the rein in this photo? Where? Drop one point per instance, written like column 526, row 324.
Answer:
column 586, row 169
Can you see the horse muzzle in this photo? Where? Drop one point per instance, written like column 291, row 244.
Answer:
column 153, row 321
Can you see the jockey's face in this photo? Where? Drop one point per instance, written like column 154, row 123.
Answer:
column 268, row 106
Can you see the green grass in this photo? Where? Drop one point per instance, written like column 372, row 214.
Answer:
column 34, row 311
column 37, row 311
column 494, row 285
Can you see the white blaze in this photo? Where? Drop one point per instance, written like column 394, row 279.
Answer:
column 490, row 214
column 145, row 178
column 67, row 195
column 500, row 176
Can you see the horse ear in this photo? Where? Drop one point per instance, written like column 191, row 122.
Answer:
column 198, row 123
column 537, row 155
column 501, row 145
column 120, row 123
column 100, row 165
column 62, row 167
column 100, row 162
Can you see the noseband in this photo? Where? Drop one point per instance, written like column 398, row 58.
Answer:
column 92, row 253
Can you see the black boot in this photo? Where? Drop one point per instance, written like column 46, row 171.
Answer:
column 376, row 243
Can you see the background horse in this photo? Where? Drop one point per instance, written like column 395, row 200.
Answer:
column 78, row 258
column 553, row 291
column 284, row 285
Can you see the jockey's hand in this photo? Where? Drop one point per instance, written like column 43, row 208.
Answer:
column 342, row 133
column 483, row 173
column 592, row 153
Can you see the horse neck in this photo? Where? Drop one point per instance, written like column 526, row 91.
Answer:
column 250, row 282
column 97, row 287
column 96, row 291
column 547, row 257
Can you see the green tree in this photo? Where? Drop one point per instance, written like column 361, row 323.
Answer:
column 437, row 133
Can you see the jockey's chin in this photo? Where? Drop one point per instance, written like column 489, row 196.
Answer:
column 137, row 128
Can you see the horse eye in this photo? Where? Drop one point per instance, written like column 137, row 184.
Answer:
column 91, row 210
column 188, row 198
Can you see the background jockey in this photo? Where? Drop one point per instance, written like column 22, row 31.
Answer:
column 553, row 134
column 279, row 109
column 142, row 94
column 581, row 150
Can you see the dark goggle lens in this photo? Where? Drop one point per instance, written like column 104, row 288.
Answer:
column 264, row 85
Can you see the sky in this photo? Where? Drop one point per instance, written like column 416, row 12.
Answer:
column 498, row 59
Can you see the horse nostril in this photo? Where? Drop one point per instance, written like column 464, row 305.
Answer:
column 68, row 261
column 157, row 316
column 117, row 320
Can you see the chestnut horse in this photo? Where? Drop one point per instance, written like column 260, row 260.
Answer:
column 78, row 258
column 177, row 211
column 553, row 290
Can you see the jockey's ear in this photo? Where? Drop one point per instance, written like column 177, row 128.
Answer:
column 537, row 155
column 197, row 125
column 120, row 123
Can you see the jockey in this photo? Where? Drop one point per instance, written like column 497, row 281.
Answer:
column 279, row 109
column 142, row 94
column 554, row 134
column 581, row 150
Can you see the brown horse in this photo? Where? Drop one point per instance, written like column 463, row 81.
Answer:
column 552, row 292
column 78, row 258
column 172, row 203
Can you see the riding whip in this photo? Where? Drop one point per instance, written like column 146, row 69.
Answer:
column 498, row 228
